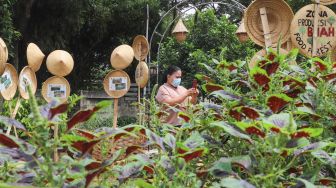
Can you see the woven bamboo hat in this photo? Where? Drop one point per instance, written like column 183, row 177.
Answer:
column 9, row 80
column 142, row 74
column 279, row 15
column 180, row 31
column 122, row 57
column 327, row 2
column 34, row 57
column 60, row 63
column 56, row 87
column 140, row 47
column 27, row 77
column 258, row 56
column 117, row 83
column 3, row 55
column 302, row 30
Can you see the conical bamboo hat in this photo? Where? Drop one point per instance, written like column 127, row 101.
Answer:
column 60, row 63
column 122, row 57
column 180, row 27
column 34, row 57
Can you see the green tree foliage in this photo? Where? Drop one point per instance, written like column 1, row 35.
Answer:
column 208, row 37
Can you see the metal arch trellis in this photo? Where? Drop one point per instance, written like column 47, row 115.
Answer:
column 231, row 4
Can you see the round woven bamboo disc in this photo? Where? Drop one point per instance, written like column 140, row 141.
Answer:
column 302, row 30
column 27, row 77
column 140, row 47
column 56, row 87
column 117, row 83
column 259, row 55
column 10, row 78
column 3, row 55
column 327, row 2
column 279, row 15
column 142, row 74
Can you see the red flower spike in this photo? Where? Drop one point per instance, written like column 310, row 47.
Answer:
column 300, row 134
column 250, row 112
column 256, row 131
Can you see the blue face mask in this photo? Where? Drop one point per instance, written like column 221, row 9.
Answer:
column 176, row 82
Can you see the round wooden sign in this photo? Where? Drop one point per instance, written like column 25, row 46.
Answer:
column 262, row 53
column 327, row 2
column 9, row 82
column 142, row 74
column 279, row 16
column 140, row 47
column 3, row 55
column 56, row 87
column 302, row 29
column 27, row 77
column 117, row 83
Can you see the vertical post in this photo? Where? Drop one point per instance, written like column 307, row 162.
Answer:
column 315, row 34
column 115, row 113
column 13, row 114
column 264, row 21
column 148, row 62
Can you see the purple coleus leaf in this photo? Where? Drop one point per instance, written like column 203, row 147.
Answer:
column 154, row 138
column 231, row 130
column 12, row 142
column 230, row 182
column 57, row 110
column 15, row 154
column 130, row 169
column 12, row 122
column 242, row 161
column 225, row 95
column 170, row 140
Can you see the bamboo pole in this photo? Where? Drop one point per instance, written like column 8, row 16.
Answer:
column 13, row 115
column 267, row 33
column 115, row 113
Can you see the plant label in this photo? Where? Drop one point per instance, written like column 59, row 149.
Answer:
column 56, row 91
column 117, row 83
column 5, row 81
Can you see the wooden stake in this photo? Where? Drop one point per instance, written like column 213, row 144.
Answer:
column 115, row 113
column 315, row 34
column 56, row 158
column 13, row 115
column 139, row 103
column 264, row 21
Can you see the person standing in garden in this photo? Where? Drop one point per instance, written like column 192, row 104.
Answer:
column 175, row 96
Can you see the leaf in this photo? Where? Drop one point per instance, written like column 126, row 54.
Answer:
column 230, row 182
column 170, row 140
column 324, row 157
column 86, row 134
column 250, row 112
column 311, row 147
column 149, row 170
column 250, row 129
column 8, row 141
column 307, row 132
column 184, row 116
column 132, row 149
column 193, row 154
column 140, row 183
column 57, row 110
column 306, row 183
column 282, row 120
column 85, row 146
column 83, row 116
column 230, row 130
column 260, row 76
column 194, row 141
column 329, row 77
column 225, row 95
column 235, row 114
column 212, row 106
column 209, row 87
column 327, row 181
column 155, row 139
column 204, row 77
column 12, row 122
column 242, row 161
column 93, row 166
column 130, row 169
column 278, row 102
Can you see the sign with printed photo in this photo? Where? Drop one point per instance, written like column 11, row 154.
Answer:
column 56, row 91
column 118, row 83
column 302, row 30
column 5, row 81
column 24, row 82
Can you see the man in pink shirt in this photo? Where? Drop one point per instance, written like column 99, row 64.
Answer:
column 174, row 95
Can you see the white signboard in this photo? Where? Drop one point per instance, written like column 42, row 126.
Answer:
column 5, row 81
column 56, row 91
column 24, row 82
column 117, row 83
